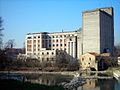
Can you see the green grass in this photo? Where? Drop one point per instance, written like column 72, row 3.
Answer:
column 17, row 85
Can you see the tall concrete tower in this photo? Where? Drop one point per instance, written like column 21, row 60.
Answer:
column 98, row 30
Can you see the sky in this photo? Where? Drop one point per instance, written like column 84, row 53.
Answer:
column 26, row 16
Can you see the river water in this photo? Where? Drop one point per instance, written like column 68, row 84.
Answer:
column 91, row 84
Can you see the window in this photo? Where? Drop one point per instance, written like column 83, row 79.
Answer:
column 47, row 53
column 65, row 49
column 34, row 41
column 47, row 59
column 61, row 36
column 34, row 36
column 49, row 45
column 65, row 44
column 89, row 63
column 42, row 59
column 29, row 37
column 57, row 40
column 52, row 53
column 52, row 36
column 53, row 45
column 34, row 53
column 38, row 36
column 38, row 41
column 53, row 40
column 60, row 40
column 82, row 59
column 56, row 44
column 42, row 53
column 56, row 36
column 60, row 44
column 90, row 59
column 64, row 35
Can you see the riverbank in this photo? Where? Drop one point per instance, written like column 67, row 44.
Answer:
column 85, row 74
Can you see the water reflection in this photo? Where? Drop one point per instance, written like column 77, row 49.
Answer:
column 91, row 84
column 47, row 79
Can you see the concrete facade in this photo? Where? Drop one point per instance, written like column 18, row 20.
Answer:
column 98, row 30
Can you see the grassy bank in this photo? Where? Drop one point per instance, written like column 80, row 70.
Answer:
column 17, row 85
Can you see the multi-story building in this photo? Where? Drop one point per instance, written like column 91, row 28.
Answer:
column 98, row 30
column 42, row 44
column 96, row 35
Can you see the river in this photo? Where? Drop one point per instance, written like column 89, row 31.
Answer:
column 56, row 79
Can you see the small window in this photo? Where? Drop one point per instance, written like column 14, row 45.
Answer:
column 38, row 36
column 42, row 53
column 52, row 53
column 42, row 59
column 47, row 59
column 57, row 40
column 53, row 40
column 60, row 44
column 60, row 40
column 34, row 41
column 56, row 36
column 34, row 36
column 64, row 35
column 56, row 44
column 90, row 59
column 65, row 44
column 82, row 59
column 89, row 63
column 53, row 45
column 52, row 36
column 29, row 37
column 47, row 53
column 61, row 36
column 38, row 41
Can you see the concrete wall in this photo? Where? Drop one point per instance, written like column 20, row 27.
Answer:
column 91, row 32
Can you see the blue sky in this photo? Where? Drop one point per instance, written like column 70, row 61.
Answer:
column 24, row 16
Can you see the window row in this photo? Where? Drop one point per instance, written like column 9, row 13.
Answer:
column 59, row 45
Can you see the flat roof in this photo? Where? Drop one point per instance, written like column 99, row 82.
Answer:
column 97, row 9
